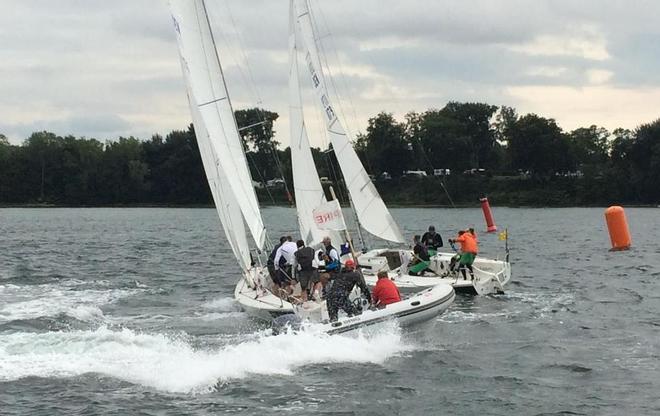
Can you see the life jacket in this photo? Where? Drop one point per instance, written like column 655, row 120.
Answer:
column 468, row 243
column 332, row 264
column 305, row 258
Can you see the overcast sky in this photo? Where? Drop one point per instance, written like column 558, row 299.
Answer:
column 108, row 68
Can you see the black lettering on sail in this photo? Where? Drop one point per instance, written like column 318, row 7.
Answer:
column 330, row 112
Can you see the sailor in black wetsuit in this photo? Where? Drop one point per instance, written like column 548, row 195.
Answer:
column 432, row 240
column 342, row 285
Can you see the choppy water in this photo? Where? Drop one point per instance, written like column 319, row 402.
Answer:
column 129, row 311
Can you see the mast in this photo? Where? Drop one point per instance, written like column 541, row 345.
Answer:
column 307, row 186
column 370, row 209
column 207, row 89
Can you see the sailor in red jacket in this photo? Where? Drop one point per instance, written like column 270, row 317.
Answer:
column 385, row 291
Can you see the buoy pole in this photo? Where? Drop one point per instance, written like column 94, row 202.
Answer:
column 488, row 215
column 617, row 226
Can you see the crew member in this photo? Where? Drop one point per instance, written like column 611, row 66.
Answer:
column 474, row 235
column 468, row 253
column 270, row 263
column 432, row 240
column 421, row 258
column 330, row 256
column 284, row 258
column 342, row 285
column 305, row 269
column 385, row 291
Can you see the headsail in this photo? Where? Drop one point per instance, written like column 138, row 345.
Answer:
column 225, row 203
column 306, row 184
column 208, row 92
column 370, row 208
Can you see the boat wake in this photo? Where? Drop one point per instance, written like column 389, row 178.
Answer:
column 172, row 364
column 509, row 306
column 69, row 299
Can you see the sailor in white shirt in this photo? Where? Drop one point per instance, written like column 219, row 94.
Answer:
column 284, row 259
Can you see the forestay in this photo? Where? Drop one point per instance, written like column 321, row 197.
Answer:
column 306, row 184
column 208, row 91
column 370, row 208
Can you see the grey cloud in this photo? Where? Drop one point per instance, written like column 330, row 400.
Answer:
column 76, row 60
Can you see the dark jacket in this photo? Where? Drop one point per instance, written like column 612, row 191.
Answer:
column 271, row 257
column 346, row 280
column 305, row 258
column 432, row 241
column 421, row 252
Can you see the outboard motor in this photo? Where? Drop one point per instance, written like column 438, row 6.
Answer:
column 285, row 323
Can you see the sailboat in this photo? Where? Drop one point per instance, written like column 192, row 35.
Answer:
column 223, row 156
column 229, row 179
column 371, row 212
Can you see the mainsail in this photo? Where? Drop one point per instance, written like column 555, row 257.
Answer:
column 306, row 184
column 208, row 92
column 370, row 208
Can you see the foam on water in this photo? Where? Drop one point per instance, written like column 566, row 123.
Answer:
column 171, row 364
column 224, row 304
column 35, row 301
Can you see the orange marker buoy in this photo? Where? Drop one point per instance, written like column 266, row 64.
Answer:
column 488, row 215
column 617, row 226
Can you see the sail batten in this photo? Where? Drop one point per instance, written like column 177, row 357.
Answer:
column 371, row 211
column 208, row 91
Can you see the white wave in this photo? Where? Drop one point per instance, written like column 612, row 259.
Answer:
column 34, row 301
column 460, row 316
column 171, row 364
column 222, row 304
column 214, row 316
column 86, row 313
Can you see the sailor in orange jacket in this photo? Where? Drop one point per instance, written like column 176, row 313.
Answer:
column 385, row 291
column 469, row 251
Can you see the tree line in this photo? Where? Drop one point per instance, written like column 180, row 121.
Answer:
column 488, row 150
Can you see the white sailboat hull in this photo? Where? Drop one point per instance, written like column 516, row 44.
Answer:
column 490, row 276
column 260, row 303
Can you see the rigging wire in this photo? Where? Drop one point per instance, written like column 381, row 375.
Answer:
column 324, row 57
column 252, row 86
column 261, row 177
column 396, row 102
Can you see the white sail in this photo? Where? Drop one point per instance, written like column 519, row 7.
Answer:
column 209, row 93
column 225, row 203
column 370, row 208
column 306, row 184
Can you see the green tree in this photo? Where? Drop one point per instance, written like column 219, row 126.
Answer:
column 123, row 172
column 385, row 145
column 589, row 145
column 473, row 124
column 644, row 157
column 256, row 129
column 537, row 144
column 443, row 142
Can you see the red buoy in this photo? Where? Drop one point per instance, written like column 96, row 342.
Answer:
column 488, row 215
column 617, row 225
